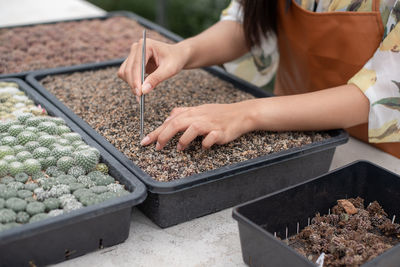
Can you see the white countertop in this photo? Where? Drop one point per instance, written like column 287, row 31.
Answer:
column 211, row 240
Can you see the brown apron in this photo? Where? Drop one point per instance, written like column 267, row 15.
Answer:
column 323, row 50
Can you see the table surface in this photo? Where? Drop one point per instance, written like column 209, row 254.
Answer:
column 211, row 240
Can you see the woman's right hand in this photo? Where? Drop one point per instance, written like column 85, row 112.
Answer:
column 162, row 62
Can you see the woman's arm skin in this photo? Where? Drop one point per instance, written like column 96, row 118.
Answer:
column 338, row 107
column 221, row 43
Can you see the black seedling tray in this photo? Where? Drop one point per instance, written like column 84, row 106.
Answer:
column 170, row 203
column 259, row 219
column 79, row 232
column 144, row 22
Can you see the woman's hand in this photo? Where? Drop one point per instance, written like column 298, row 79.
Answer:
column 162, row 61
column 218, row 123
column 221, row 43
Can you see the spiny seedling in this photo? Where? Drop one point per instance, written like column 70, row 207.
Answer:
column 26, row 136
column 87, row 159
column 48, row 127
column 6, row 150
column 32, row 166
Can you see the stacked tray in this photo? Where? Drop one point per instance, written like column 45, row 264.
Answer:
column 78, row 232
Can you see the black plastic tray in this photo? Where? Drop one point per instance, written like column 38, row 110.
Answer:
column 78, row 232
column 170, row 203
column 144, row 22
column 260, row 218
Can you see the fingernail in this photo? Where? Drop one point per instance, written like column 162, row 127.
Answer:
column 146, row 88
column 167, row 119
column 179, row 147
column 158, row 146
column 145, row 141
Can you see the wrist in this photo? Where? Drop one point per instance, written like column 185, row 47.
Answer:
column 186, row 49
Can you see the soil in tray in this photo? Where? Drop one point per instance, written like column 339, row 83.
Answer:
column 350, row 236
column 68, row 43
column 107, row 104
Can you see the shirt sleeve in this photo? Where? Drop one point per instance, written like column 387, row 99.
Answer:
column 233, row 12
column 260, row 64
column 379, row 80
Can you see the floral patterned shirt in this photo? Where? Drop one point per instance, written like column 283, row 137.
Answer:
column 379, row 79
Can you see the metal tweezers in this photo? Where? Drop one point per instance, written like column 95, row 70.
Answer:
column 142, row 95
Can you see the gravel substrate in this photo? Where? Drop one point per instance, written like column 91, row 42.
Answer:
column 68, row 43
column 350, row 236
column 107, row 104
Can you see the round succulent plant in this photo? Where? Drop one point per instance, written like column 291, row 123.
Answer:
column 56, row 212
column 16, row 204
column 18, row 148
column 98, row 189
column 51, row 203
column 15, row 185
column 58, row 190
column 88, row 200
column 76, row 171
column 26, row 136
column 66, row 179
column 2, row 203
column 3, row 168
column 10, row 158
column 38, row 175
column 58, row 120
column 15, row 167
column 61, row 151
column 21, row 177
column 5, row 125
column 7, row 193
column 38, row 217
column 7, row 216
column 87, row 159
column 24, row 155
column 47, row 140
column 6, row 150
column 48, row 127
column 32, row 166
column 65, row 163
column 9, row 141
column 31, row 186
column 23, row 193
column 77, row 143
column 102, row 168
column 75, row 186
column 41, row 152
column 61, row 129
column 23, row 117
column 72, row 137
column 32, row 145
column 86, row 181
column 63, row 142
column 35, row 208
column 7, row 179
column 32, row 129
column 14, row 130
column 33, row 121
column 22, row 217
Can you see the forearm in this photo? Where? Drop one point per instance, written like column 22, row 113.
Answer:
column 218, row 44
column 338, row 107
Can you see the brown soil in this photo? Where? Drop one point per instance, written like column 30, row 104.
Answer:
column 108, row 105
column 348, row 240
column 68, row 43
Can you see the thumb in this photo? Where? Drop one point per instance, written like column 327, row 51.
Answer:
column 152, row 80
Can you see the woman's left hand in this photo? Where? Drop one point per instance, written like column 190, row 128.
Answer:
column 218, row 123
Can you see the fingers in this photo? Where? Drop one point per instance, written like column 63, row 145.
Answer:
column 160, row 74
column 213, row 137
column 121, row 71
column 152, row 137
column 189, row 135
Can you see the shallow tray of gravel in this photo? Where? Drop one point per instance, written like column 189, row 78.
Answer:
column 104, row 105
column 335, row 217
column 72, row 42
column 56, row 200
